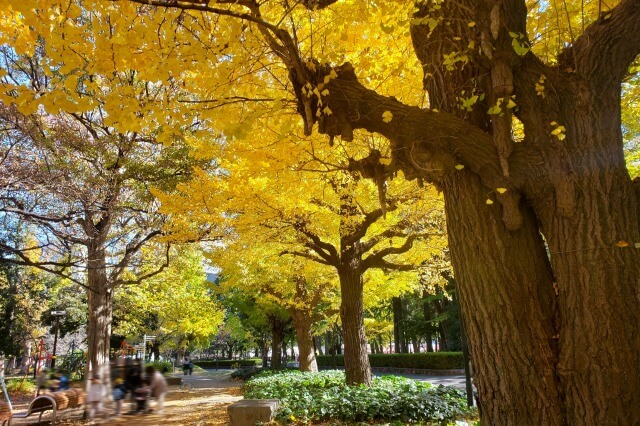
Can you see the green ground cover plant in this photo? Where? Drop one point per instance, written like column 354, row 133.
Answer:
column 324, row 396
column 228, row 363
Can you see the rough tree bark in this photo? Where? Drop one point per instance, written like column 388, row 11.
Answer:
column 278, row 326
column 356, row 360
column 307, row 356
column 304, row 315
column 100, row 313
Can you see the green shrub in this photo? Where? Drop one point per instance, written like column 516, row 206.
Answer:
column 228, row 363
column 425, row 360
column 17, row 386
column 161, row 366
column 323, row 396
column 246, row 373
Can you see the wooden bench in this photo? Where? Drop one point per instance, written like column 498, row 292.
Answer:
column 40, row 404
column 5, row 414
column 56, row 401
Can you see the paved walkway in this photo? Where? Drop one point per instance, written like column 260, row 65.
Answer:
column 204, row 403
column 208, row 379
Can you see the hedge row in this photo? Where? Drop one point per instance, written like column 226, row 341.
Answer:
column 228, row 363
column 425, row 360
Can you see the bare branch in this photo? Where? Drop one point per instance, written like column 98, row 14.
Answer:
column 148, row 275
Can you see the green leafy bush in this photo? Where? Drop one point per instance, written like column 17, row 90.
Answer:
column 425, row 360
column 17, row 386
column 246, row 373
column 228, row 363
column 161, row 366
column 325, row 396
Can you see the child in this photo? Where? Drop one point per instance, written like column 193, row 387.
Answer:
column 142, row 394
column 119, row 392
column 94, row 398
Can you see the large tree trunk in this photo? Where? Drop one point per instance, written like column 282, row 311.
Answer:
column 356, row 360
column 503, row 277
column 597, row 274
column 99, row 301
column 98, row 334
column 504, row 282
column 307, row 357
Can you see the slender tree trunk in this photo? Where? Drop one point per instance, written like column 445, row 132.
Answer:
column 442, row 337
column 265, row 352
column 356, row 360
column 318, row 345
column 307, row 358
column 26, row 358
column 429, row 343
column 398, row 315
column 277, row 336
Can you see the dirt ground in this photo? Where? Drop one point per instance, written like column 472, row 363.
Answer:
column 200, row 406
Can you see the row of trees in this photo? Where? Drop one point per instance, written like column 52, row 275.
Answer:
column 426, row 321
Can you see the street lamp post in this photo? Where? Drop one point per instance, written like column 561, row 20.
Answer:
column 56, row 314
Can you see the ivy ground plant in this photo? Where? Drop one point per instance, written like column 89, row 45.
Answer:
column 324, row 396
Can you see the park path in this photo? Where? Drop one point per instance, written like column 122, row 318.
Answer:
column 204, row 404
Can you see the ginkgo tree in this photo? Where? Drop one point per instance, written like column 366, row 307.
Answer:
column 543, row 228
column 178, row 305
column 83, row 187
column 308, row 291
column 307, row 205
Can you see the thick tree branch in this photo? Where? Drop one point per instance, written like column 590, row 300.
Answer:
column 204, row 7
column 608, row 46
column 395, row 266
column 325, row 250
column 377, row 258
column 425, row 144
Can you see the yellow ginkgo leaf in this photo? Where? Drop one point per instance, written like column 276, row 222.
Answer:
column 489, row 201
column 459, row 166
column 501, row 190
column 387, row 116
column 327, row 110
column 622, row 243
